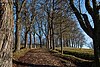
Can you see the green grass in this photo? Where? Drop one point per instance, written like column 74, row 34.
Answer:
column 76, row 60
column 79, row 50
column 87, row 54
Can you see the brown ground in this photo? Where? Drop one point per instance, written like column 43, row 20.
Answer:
column 40, row 58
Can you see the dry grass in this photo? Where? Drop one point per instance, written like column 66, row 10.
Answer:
column 18, row 54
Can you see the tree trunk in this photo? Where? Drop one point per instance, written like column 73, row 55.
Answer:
column 52, row 35
column 96, row 42
column 61, row 39
column 40, row 41
column 66, row 42
column 96, row 50
column 30, row 40
column 61, row 44
column 18, row 26
column 26, row 39
column 34, row 39
column 50, row 39
column 6, row 33
column 17, row 36
column 47, row 44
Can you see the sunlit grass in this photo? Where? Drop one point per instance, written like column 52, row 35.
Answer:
column 79, row 50
column 20, row 53
column 72, row 58
column 86, row 54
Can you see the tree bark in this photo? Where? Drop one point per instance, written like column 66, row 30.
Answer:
column 40, row 41
column 49, row 41
column 17, row 36
column 26, row 40
column 6, row 32
column 61, row 39
column 96, row 39
column 30, row 40
column 17, row 32
column 34, row 39
column 47, row 44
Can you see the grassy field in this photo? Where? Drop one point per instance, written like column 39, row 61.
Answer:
column 79, row 50
column 79, row 62
column 86, row 54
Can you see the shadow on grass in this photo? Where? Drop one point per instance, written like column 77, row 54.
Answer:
column 21, row 64
column 78, row 63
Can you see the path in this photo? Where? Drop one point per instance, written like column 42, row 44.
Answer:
column 39, row 58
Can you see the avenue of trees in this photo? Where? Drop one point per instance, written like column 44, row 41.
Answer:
column 47, row 23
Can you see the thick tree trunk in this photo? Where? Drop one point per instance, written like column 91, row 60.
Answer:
column 47, row 46
column 30, row 40
column 6, row 33
column 96, row 42
column 96, row 34
column 52, row 35
column 17, row 33
column 18, row 26
column 17, row 36
column 26, row 40
column 96, row 50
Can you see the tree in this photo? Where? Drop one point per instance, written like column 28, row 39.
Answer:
column 27, row 27
column 18, row 7
column 33, row 15
column 83, row 19
column 39, row 32
column 6, row 32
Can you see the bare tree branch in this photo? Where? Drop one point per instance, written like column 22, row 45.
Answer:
column 79, row 17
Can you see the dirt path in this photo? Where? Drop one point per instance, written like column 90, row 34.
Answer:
column 39, row 58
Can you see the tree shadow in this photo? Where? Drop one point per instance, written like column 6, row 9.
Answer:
column 30, row 65
column 78, row 63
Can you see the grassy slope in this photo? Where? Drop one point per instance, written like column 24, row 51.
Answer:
column 77, row 52
column 18, row 54
column 74, row 59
